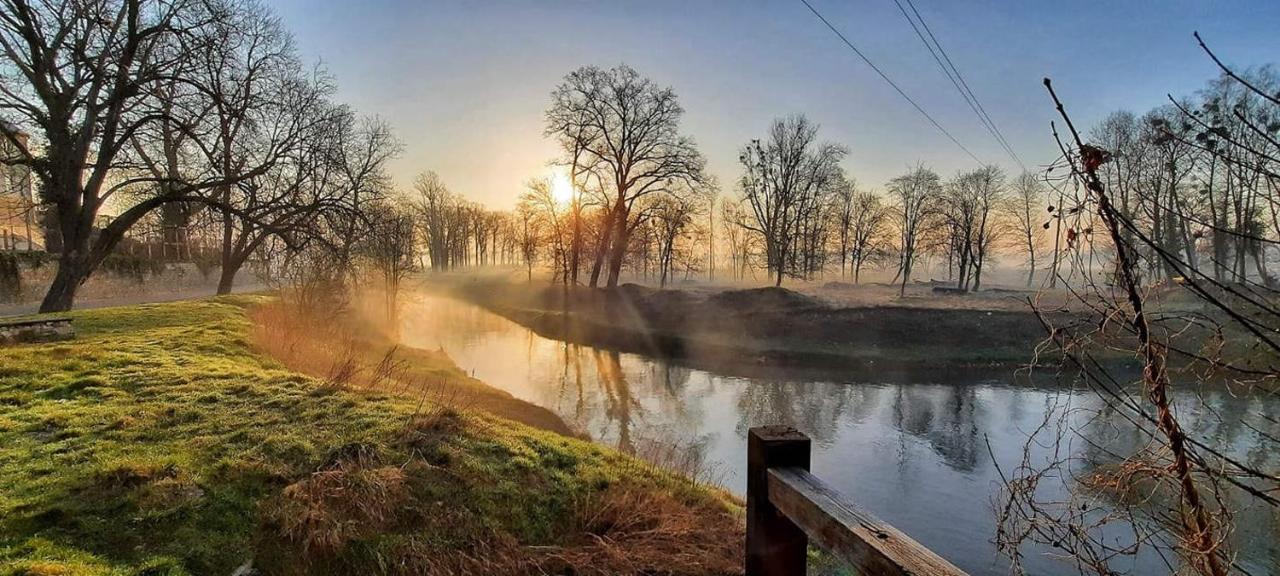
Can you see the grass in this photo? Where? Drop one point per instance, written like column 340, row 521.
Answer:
column 163, row 441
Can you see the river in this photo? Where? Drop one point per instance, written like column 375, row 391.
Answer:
column 917, row 454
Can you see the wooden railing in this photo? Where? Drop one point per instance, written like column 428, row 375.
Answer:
column 787, row 506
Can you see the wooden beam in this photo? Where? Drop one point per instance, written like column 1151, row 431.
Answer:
column 871, row 546
column 775, row 545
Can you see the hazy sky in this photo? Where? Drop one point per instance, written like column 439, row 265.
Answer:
column 465, row 84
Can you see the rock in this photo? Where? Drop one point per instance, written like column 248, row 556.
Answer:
column 37, row 330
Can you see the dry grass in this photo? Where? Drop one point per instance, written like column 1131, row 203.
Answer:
column 621, row 530
column 684, row 457
column 622, row 527
column 351, row 498
column 631, row 531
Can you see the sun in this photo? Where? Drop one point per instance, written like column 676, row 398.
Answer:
column 561, row 189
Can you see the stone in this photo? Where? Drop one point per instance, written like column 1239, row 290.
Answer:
column 38, row 330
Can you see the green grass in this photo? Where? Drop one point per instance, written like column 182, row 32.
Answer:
column 159, row 441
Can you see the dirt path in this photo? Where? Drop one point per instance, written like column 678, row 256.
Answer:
column 139, row 297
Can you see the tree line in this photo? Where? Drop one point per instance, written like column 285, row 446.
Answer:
column 201, row 113
column 641, row 198
column 637, row 196
column 125, row 110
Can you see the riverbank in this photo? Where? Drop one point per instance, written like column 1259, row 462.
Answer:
column 166, row 439
column 757, row 331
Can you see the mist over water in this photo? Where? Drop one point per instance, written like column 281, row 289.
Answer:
column 915, row 454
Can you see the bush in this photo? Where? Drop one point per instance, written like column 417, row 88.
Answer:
column 134, row 267
column 10, row 278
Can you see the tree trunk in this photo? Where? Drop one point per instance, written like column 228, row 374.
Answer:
column 73, row 226
column 227, row 276
column 606, row 238
column 575, row 244
column 906, row 274
column 618, row 251
column 62, row 293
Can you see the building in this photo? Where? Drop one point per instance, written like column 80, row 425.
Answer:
column 19, row 222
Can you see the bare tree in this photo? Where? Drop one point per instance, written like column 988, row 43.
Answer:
column 673, row 215
column 552, row 219
column 625, row 128
column 784, row 185
column 85, row 77
column 435, row 209
column 866, row 231
column 914, row 193
column 741, row 243
column 1181, row 490
column 528, row 234
column 969, row 206
column 1025, row 208
column 845, row 208
column 390, row 247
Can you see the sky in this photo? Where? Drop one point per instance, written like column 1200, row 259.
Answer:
column 465, row 84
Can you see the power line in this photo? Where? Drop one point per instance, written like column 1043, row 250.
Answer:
column 957, row 79
column 886, row 78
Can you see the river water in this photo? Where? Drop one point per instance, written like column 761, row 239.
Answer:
column 917, row 454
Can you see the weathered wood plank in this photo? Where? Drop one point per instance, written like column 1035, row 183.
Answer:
column 775, row 545
column 871, row 546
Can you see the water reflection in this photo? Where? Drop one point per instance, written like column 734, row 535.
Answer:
column 917, row 454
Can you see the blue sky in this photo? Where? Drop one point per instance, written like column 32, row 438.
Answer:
column 465, row 84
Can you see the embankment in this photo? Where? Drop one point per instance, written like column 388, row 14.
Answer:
column 758, row 331
column 164, row 440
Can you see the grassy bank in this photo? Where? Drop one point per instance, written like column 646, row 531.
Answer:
column 755, row 331
column 164, row 441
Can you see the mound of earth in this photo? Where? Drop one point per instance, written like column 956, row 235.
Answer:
column 634, row 292
column 764, row 299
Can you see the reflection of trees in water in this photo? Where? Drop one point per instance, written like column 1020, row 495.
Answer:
column 617, row 395
column 1240, row 425
column 673, row 378
column 811, row 407
column 438, row 321
column 944, row 416
column 651, row 412
column 571, row 379
column 947, row 417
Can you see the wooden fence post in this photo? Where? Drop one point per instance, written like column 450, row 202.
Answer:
column 775, row 545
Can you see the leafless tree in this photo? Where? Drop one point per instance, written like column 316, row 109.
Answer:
column 673, row 215
column 845, row 209
column 914, row 194
column 740, row 242
column 89, row 78
column 969, row 207
column 552, row 219
column 785, row 183
column 390, row 247
column 528, row 234
column 625, row 129
column 1026, row 209
column 1180, row 491
column 867, row 229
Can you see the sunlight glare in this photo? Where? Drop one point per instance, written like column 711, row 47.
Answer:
column 561, row 189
